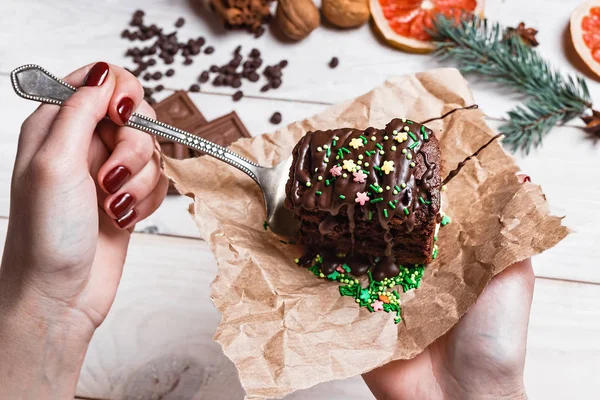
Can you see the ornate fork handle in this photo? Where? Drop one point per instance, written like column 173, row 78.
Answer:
column 33, row 82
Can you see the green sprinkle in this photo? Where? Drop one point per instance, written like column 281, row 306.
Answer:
column 345, row 150
column 424, row 132
column 406, row 211
column 342, row 196
column 397, row 188
column 379, row 146
column 391, row 203
column 385, row 212
column 435, row 238
column 334, row 143
column 373, row 187
column 318, row 193
column 327, row 182
column 421, row 200
column 412, row 146
column 376, row 168
column 445, row 220
column 365, row 171
column 265, row 225
column 435, row 253
column 412, row 136
column 370, row 215
column 340, row 154
column 328, row 152
column 377, row 200
column 364, row 139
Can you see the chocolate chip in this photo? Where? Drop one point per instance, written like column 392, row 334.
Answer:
column 169, row 60
column 236, row 83
column 170, row 72
column 151, row 62
column 259, row 32
column 201, row 41
column 187, row 61
column 266, row 87
column 125, row 33
column 204, row 76
column 253, row 77
column 209, row 50
column 276, row 83
column 147, row 76
column 214, row 68
column 255, row 53
column 275, row 118
column 195, row 88
column 334, row 62
column 219, row 80
column 138, row 14
column 157, row 75
column 283, row 63
column 179, row 23
column 238, row 95
column 148, row 91
column 159, row 88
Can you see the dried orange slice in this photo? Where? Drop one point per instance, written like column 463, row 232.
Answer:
column 404, row 23
column 585, row 33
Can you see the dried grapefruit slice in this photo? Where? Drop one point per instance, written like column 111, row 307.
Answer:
column 585, row 33
column 404, row 23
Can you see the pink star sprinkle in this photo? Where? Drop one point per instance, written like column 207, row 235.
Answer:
column 359, row 177
column 340, row 269
column 362, row 198
column 377, row 305
column 336, row 170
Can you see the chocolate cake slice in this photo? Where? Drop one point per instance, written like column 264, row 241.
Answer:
column 371, row 196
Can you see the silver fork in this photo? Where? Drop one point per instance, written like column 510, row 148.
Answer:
column 33, row 82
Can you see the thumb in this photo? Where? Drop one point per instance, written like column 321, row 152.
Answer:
column 72, row 129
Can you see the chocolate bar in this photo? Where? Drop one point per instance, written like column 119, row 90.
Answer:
column 223, row 131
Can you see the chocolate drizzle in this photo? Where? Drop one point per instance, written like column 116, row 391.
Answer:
column 461, row 164
column 471, row 107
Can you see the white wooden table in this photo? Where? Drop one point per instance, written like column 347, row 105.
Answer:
column 158, row 336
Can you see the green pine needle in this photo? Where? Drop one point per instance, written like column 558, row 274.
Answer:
column 479, row 46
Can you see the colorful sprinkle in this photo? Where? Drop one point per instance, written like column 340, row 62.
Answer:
column 377, row 200
column 395, row 192
column 397, row 188
column 326, row 160
column 386, row 137
column 444, row 188
column 409, row 156
column 340, row 154
column 387, row 167
column 380, row 190
column 318, row 193
column 404, row 151
column 356, row 143
column 385, row 212
column 424, row 132
column 374, row 188
column 412, row 164
column 359, row 176
column 413, row 145
column 334, row 143
column 403, row 185
column 412, row 136
column 328, row 152
column 446, row 220
column 349, row 165
column 336, row 170
column 406, row 211
column 342, row 196
column 319, row 149
column 387, row 188
column 370, row 215
column 403, row 120
column 381, row 152
column 360, row 156
column 406, row 128
column 391, row 204
column 366, row 164
column 377, row 305
column 345, row 150
column 379, row 146
column 327, row 182
column 362, row 198
column 319, row 178
column 393, row 148
column 401, row 137
column 373, row 138
column 364, row 139
column 308, row 184
column 344, row 175
column 421, row 199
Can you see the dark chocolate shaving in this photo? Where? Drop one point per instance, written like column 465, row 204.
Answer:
column 461, row 164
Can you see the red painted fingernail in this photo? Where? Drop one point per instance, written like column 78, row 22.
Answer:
column 125, row 109
column 97, row 75
column 121, row 205
column 115, row 179
column 127, row 219
column 523, row 178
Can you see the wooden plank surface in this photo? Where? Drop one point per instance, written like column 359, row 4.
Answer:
column 159, row 331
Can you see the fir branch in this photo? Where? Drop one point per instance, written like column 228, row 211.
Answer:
column 482, row 47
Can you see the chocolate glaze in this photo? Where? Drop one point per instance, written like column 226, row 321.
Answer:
column 461, row 164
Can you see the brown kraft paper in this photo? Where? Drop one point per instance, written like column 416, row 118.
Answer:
column 286, row 329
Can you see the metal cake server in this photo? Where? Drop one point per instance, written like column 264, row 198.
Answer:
column 33, row 82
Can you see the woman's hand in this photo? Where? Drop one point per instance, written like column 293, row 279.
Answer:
column 482, row 357
column 80, row 183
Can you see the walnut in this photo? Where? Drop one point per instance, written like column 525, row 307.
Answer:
column 297, row 18
column 346, row 13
